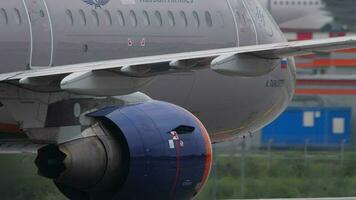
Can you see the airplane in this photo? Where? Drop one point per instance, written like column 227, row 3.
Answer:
column 126, row 97
column 291, row 15
column 342, row 12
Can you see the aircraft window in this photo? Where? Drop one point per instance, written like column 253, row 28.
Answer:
column 5, row 19
column 82, row 17
column 159, row 18
column 85, row 48
column 184, row 18
column 133, row 18
column 108, row 18
column 121, row 18
column 208, row 19
column 146, row 18
column 238, row 16
column 17, row 16
column 221, row 18
column 42, row 14
column 196, row 19
column 171, row 20
column 70, row 19
column 95, row 17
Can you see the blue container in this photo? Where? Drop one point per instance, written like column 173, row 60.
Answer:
column 318, row 127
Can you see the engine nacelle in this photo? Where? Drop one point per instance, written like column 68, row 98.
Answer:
column 243, row 65
column 153, row 150
column 102, row 83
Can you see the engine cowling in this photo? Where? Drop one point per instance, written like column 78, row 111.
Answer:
column 153, row 150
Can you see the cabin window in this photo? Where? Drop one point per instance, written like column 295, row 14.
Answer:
column 83, row 19
column 121, row 18
column 85, row 48
column 184, row 18
column 171, row 20
column 133, row 18
column 196, row 19
column 4, row 18
column 95, row 17
column 42, row 14
column 108, row 18
column 17, row 16
column 209, row 21
column 220, row 18
column 146, row 18
column 158, row 18
column 70, row 19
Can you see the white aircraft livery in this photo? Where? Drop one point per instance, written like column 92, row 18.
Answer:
column 129, row 95
column 292, row 15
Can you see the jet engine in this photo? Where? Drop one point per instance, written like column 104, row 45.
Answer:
column 153, row 150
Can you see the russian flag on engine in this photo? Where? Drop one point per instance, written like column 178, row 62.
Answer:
column 284, row 63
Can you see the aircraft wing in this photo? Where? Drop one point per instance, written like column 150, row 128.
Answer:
column 142, row 66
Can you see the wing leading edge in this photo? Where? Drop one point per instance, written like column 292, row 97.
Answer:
column 170, row 62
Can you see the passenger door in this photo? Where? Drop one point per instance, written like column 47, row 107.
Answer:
column 41, row 33
column 244, row 23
